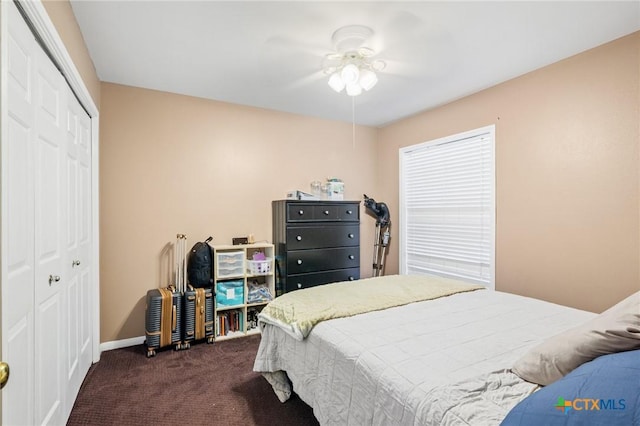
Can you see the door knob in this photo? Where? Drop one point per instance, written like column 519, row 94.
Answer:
column 54, row 279
column 75, row 263
column 4, row 374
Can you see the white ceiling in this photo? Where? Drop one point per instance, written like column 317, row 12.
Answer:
column 269, row 54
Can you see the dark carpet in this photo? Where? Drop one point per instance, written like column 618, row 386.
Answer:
column 204, row 385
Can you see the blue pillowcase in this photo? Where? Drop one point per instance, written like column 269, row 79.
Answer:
column 605, row 391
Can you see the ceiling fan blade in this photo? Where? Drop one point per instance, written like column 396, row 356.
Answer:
column 396, row 46
column 286, row 44
column 398, row 29
column 306, row 80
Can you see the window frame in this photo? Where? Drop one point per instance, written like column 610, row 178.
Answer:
column 405, row 151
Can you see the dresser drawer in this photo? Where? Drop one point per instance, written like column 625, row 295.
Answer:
column 301, row 261
column 323, row 212
column 296, row 282
column 306, row 237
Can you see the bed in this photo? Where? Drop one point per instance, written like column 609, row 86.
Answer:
column 445, row 359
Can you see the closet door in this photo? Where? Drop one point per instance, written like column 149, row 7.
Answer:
column 46, row 196
column 78, row 246
column 50, row 211
column 18, row 269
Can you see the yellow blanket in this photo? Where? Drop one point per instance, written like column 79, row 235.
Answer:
column 297, row 312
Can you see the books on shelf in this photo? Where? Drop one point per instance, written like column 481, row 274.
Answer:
column 229, row 322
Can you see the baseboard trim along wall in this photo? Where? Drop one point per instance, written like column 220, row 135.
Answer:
column 119, row 344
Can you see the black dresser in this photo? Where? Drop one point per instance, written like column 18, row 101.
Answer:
column 316, row 242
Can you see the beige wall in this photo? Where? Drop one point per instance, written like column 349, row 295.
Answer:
column 65, row 22
column 567, row 175
column 567, row 161
column 176, row 164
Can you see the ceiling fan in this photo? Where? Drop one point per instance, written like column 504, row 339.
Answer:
column 352, row 65
column 358, row 45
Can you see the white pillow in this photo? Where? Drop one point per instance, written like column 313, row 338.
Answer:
column 615, row 330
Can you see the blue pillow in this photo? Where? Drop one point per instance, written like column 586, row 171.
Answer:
column 605, row 391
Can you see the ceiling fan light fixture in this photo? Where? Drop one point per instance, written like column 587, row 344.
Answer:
column 352, row 65
column 350, row 74
column 336, row 82
column 368, row 79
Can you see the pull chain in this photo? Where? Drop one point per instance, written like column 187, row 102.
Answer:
column 353, row 121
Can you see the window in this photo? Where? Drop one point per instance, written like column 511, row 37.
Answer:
column 447, row 207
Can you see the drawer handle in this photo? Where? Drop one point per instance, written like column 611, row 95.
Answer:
column 299, row 261
column 351, row 278
column 300, row 212
column 351, row 257
column 299, row 238
column 350, row 235
column 299, row 285
column 349, row 211
column 326, row 212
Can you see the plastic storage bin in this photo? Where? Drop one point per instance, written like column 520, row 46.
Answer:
column 259, row 267
column 230, row 264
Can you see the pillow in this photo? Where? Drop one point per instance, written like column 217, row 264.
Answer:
column 615, row 330
column 602, row 392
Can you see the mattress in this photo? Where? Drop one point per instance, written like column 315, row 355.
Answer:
column 442, row 361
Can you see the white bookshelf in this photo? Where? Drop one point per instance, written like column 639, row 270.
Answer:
column 234, row 274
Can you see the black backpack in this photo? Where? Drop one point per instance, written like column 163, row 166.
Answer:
column 200, row 264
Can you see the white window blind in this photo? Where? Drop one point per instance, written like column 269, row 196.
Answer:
column 447, row 206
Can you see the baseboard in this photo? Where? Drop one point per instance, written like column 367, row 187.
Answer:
column 119, row 344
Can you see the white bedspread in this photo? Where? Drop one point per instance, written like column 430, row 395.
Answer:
column 419, row 364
